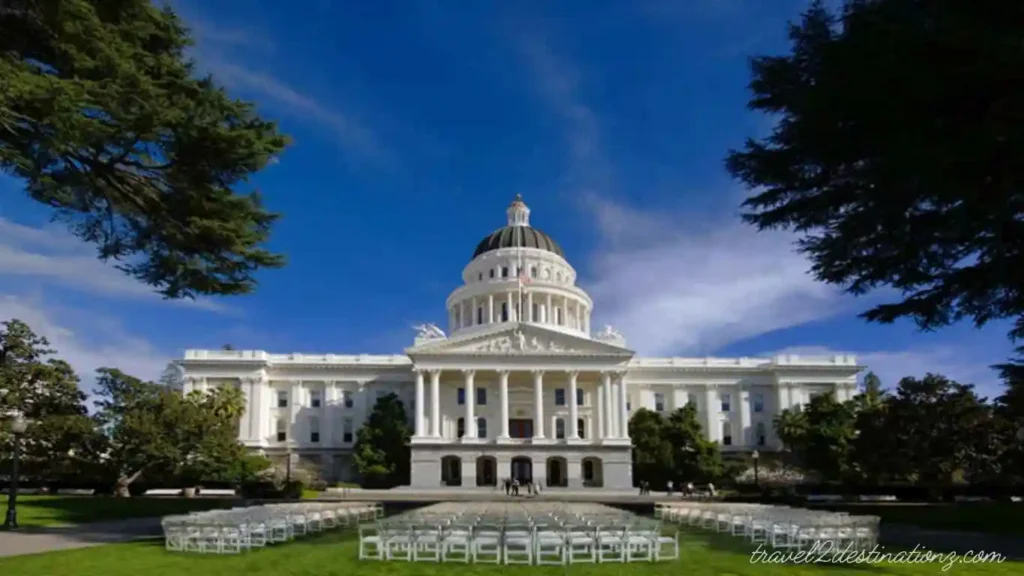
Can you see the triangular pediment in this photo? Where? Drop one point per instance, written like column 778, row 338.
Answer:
column 519, row 339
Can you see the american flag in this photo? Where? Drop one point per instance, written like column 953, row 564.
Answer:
column 523, row 277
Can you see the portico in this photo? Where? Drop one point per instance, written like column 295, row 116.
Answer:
column 536, row 408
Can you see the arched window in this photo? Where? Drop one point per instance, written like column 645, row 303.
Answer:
column 581, row 429
column 533, row 272
column 759, row 431
column 492, row 272
column 504, row 311
column 726, row 434
column 558, row 277
column 282, row 430
column 559, row 429
column 481, row 428
column 504, row 271
column 460, row 427
column 588, row 470
column 480, row 277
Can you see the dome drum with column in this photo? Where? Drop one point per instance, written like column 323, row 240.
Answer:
column 503, row 265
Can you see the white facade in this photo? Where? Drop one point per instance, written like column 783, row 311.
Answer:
column 521, row 362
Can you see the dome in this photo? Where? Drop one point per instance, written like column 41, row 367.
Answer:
column 517, row 237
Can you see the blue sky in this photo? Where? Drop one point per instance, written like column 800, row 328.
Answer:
column 416, row 122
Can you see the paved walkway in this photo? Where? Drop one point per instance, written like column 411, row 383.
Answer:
column 35, row 540
column 907, row 536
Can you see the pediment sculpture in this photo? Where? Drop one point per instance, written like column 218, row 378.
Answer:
column 609, row 333
column 518, row 342
column 429, row 332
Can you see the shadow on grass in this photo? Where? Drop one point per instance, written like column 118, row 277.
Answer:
column 64, row 510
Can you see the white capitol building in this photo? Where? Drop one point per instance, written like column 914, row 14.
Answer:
column 518, row 386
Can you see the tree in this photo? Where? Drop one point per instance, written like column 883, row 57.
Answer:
column 652, row 453
column 694, row 457
column 172, row 377
column 933, row 426
column 894, row 155
column 791, row 427
column 872, row 395
column 43, row 389
column 826, row 447
column 381, row 451
column 102, row 115
column 151, row 429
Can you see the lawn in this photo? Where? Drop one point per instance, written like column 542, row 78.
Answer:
column 988, row 518
column 41, row 510
column 334, row 553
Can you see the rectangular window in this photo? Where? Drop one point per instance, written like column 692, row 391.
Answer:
column 659, row 402
column 460, row 428
column 281, row 429
column 347, row 397
column 314, row 398
column 492, row 273
column 579, row 396
column 560, row 429
column 536, row 313
column 504, row 271
column 726, row 406
column 504, row 311
column 481, row 396
column 559, row 396
column 346, row 431
column 314, row 437
column 581, row 429
column 758, row 402
column 282, row 436
column 282, row 398
column 461, row 396
column 480, row 315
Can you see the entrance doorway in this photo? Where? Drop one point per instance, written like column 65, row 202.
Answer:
column 451, row 471
column 557, row 468
column 520, row 428
column 522, row 469
column 485, row 471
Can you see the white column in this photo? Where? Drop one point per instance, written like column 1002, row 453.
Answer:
column 613, row 408
column 549, row 315
column 503, row 393
column 741, row 434
column 623, row 413
column 565, row 311
column 472, row 313
column 606, row 393
column 470, row 404
column 528, row 313
column 435, row 403
column 511, row 310
column 780, row 397
column 538, row 403
column 329, row 410
column 599, row 393
column 711, row 412
column 579, row 316
column 490, row 308
column 420, row 401
column 573, row 409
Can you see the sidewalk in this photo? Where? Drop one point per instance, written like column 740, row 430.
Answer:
column 32, row 540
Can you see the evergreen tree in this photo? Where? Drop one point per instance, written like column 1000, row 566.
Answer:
column 103, row 117
column 381, row 450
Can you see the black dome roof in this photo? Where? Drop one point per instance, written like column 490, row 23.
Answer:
column 517, row 237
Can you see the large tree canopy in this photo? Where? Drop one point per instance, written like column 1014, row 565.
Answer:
column 103, row 117
column 896, row 154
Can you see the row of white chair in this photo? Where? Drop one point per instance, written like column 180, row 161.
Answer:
column 562, row 535
column 777, row 526
column 235, row 530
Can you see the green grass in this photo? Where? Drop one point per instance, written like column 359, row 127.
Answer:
column 41, row 510
column 983, row 517
column 334, row 553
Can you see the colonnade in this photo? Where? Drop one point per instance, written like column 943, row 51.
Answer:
column 612, row 402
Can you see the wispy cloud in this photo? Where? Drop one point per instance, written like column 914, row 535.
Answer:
column 558, row 83
column 50, row 254
column 352, row 135
column 105, row 344
column 672, row 285
column 227, row 53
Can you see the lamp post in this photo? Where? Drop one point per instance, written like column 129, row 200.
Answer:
column 755, row 455
column 18, row 426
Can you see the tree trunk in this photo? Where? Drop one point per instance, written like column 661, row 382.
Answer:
column 123, row 481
